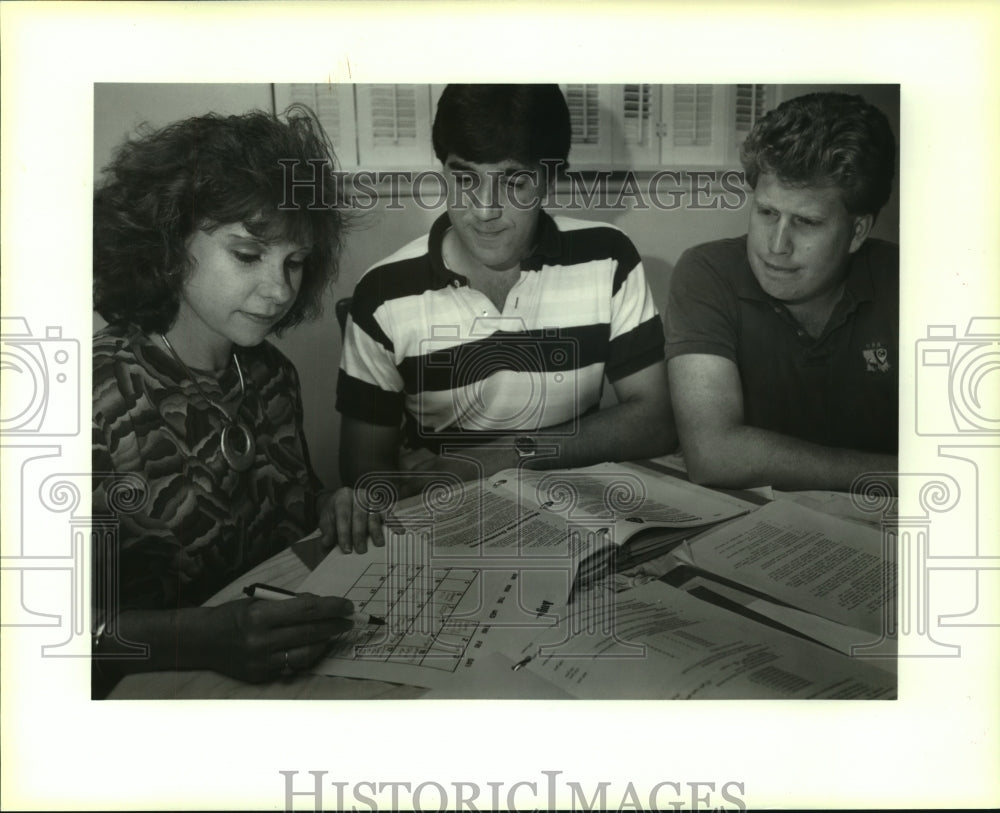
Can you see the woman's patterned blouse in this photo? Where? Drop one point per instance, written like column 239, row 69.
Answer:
column 174, row 523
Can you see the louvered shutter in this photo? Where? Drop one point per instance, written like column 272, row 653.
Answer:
column 693, row 115
column 590, row 125
column 751, row 104
column 696, row 125
column 394, row 126
column 637, row 108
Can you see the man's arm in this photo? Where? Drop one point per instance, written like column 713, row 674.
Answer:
column 365, row 448
column 720, row 450
column 640, row 425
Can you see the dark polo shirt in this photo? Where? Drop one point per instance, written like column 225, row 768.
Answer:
column 841, row 389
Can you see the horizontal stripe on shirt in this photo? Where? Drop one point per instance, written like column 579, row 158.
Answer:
column 418, row 328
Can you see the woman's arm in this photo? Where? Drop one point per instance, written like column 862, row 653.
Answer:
column 248, row 639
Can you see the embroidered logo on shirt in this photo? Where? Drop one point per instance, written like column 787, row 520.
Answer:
column 876, row 358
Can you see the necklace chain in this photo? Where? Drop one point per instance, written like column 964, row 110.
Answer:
column 239, row 371
column 236, row 443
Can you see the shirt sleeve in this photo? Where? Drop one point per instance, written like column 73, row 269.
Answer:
column 120, row 578
column 369, row 386
column 702, row 313
column 636, row 339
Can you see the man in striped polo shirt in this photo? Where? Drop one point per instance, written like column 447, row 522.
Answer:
column 485, row 344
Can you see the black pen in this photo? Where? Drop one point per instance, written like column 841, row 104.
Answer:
column 521, row 663
column 271, row 593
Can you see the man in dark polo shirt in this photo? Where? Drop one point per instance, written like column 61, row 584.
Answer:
column 782, row 345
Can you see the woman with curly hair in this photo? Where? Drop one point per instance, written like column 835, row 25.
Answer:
column 202, row 248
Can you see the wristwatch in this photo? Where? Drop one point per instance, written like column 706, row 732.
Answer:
column 525, row 446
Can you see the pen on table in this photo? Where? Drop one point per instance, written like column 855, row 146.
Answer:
column 272, row 593
column 521, row 663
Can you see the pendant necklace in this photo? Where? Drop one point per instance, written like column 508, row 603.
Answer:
column 238, row 445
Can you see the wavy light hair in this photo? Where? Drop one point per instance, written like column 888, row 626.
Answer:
column 826, row 139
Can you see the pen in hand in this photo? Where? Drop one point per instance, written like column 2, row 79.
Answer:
column 270, row 593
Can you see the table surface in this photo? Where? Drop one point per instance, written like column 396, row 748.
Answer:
column 289, row 568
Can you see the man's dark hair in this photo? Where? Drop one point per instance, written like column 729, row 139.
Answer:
column 826, row 139
column 487, row 124
column 203, row 173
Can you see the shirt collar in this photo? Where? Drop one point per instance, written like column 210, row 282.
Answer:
column 548, row 245
column 435, row 242
column 859, row 276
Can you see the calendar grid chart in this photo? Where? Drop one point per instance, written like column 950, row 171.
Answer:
column 417, row 601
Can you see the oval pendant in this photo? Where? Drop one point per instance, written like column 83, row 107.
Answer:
column 238, row 446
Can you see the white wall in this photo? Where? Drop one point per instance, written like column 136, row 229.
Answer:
column 660, row 236
column 120, row 108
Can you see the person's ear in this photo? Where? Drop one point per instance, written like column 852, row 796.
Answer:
column 862, row 228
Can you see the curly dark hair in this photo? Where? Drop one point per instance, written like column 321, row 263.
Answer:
column 826, row 139
column 492, row 123
column 202, row 173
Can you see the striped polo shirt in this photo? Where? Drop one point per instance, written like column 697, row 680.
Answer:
column 423, row 346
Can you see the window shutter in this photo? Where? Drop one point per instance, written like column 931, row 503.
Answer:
column 751, row 104
column 334, row 107
column 590, row 124
column 613, row 127
column 696, row 125
column 394, row 116
column 636, row 143
column 637, row 113
column 693, row 115
column 394, row 127
column 584, row 113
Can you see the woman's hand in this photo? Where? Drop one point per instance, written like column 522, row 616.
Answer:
column 344, row 521
column 257, row 640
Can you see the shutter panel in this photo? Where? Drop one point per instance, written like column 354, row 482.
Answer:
column 394, row 116
column 637, row 114
column 333, row 105
column 590, row 125
column 692, row 115
column 394, row 126
column 696, row 125
column 584, row 113
column 751, row 104
column 636, row 144
column 627, row 126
